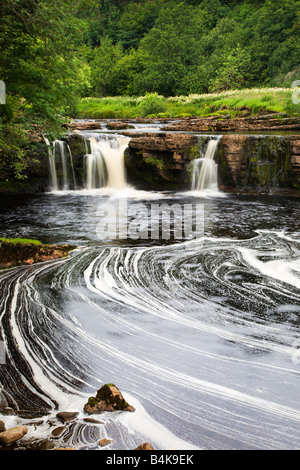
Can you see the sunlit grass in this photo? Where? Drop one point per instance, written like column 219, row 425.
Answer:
column 20, row 241
column 234, row 102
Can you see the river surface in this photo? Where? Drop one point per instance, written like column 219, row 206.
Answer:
column 200, row 334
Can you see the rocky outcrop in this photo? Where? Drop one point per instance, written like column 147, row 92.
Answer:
column 228, row 124
column 245, row 162
column 17, row 254
column 108, row 398
column 160, row 160
column 295, row 160
column 259, row 162
column 84, row 125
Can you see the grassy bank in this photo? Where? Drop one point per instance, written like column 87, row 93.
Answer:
column 25, row 251
column 20, row 241
column 236, row 103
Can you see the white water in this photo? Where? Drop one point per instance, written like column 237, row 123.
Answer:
column 205, row 170
column 61, row 146
column 105, row 164
column 52, row 166
column 60, row 155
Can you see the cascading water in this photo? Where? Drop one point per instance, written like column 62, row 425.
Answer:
column 205, row 169
column 105, row 164
column 60, row 148
column 52, row 166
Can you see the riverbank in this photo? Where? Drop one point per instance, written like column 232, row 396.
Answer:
column 18, row 252
column 237, row 103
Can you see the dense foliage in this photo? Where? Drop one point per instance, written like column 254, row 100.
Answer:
column 191, row 46
column 55, row 52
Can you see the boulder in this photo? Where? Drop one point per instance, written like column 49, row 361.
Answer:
column 145, row 446
column 108, row 398
column 13, row 434
column 2, row 426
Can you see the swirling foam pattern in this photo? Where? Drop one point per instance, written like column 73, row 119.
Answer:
column 199, row 336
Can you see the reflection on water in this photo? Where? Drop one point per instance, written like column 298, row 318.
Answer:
column 199, row 334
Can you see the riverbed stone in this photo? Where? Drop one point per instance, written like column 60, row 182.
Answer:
column 105, row 442
column 13, row 434
column 108, row 398
column 145, row 446
column 57, row 432
column 67, row 416
column 92, row 421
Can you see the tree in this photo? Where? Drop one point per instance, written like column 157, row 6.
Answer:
column 103, row 65
column 170, row 49
column 234, row 70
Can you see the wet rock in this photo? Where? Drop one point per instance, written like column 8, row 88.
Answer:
column 67, row 416
column 118, row 125
column 13, row 434
column 105, row 442
column 2, row 426
column 84, row 125
column 65, row 448
column 108, row 398
column 145, row 446
column 92, row 421
column 57, row 432
column 36, row 444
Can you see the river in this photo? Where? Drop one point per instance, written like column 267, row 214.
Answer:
column 200, row 334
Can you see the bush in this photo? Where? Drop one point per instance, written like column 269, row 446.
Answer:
column 152, row 103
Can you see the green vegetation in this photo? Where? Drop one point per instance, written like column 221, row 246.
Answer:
column 171, row 54
column 20, row 241
column 236, row 103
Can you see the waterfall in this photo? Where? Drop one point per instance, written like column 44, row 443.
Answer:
column 61, row 147
column 205, row 169
column 72, row 166
column 60, row 161
column 52, row 165
column 105, row 164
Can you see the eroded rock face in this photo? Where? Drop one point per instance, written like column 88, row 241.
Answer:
column 108, row 398
column 225, row 123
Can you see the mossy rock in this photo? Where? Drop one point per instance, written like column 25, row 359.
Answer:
column 108, row 398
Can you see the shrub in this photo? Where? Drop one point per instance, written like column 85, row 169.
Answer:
column 152, row 103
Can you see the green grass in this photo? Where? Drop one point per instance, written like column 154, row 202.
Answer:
column 20, row 241
column 234, row 102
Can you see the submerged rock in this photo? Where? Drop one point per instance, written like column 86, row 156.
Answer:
column 108, row 398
